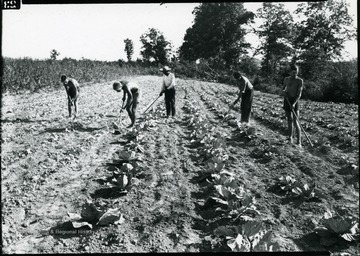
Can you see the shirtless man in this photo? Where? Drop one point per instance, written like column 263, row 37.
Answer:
column 72, row 90
column 293, row 86
column 132, row 93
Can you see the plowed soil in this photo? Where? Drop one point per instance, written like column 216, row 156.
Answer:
column 52, row 164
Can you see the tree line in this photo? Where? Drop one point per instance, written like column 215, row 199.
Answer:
column 312, row 37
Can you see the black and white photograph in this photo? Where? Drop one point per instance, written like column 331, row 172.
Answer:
column 180, row 127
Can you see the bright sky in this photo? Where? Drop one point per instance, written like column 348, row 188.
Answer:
column 97, row 31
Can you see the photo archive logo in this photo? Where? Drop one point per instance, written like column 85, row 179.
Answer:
column 11, row 5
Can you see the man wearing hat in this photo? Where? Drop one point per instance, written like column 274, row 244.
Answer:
column 131, row 92
column 168, row 87
column 72, row 90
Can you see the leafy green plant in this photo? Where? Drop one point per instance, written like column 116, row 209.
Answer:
column 223, row 177
column 90, row 215
column 214, row 168
column 234, row 201
column 303, row 191
column 147, row 124
column 297, row 189
column 286, row 183
column 248, row 237
column 125, row 155
column 246, row 131
column 201, row 130
column 214, row 147
column 265, row 153
column 332, row 228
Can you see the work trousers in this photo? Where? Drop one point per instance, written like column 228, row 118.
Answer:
column 246, row 105
column 170, row 101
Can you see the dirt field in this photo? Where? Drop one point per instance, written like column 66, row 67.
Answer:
column 52, row 165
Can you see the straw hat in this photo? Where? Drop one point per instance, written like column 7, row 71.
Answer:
column 165, row 68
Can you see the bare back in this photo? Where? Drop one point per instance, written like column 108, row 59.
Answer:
column 133, row 87
column 293, row 86
column 73, row 88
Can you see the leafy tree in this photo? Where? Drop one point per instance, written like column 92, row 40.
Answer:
column 120, row 62
column 217, row 33
column 129, row 48
column 53, row 54
column 155, row 47
column 276, row 34
column 322, row 34
column 248, row 65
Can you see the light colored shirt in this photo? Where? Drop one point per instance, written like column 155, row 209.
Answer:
column 168, row 81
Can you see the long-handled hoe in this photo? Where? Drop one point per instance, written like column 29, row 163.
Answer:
column 120, row 118
column 151, row 104
column 297, row 119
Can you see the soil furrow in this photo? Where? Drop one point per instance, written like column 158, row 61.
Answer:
column 51, row 164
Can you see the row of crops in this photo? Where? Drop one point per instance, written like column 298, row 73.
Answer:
column 234, row 210
column 230, row 200
column 323, row 148
column 332, row 128
column 123, row 173
column 241, row 225
column 337, row 122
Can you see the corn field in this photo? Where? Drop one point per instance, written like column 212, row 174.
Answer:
column 26, row 74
